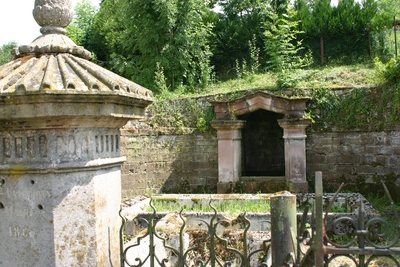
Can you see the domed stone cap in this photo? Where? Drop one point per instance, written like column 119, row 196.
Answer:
column 53, row 63
column 64, row 73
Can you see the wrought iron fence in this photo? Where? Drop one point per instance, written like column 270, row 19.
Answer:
column 351, row 242
column 361, row 243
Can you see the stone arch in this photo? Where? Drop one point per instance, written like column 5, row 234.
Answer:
column 231, row 119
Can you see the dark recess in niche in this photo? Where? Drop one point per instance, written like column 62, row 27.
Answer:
column 263, row 151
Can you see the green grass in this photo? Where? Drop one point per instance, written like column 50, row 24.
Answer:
column 231, row 206
column 182, row 112
column 358, row 75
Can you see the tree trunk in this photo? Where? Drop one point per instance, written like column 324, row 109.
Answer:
column 321, row 39
column 369, row 43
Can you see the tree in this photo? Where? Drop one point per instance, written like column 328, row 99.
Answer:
column 168, row 36
column 321, row 15
column 81, row 27
column 240, row 22
column 107, row 38
column 343, row 30
column 283, row 46
column 281, row 41
column 5, row 52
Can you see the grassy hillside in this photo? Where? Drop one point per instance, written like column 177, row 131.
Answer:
column 346, row 97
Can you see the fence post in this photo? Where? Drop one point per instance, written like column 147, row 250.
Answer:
column 318, row 240
column 283, row 229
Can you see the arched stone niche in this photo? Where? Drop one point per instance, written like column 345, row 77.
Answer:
column 235, row 159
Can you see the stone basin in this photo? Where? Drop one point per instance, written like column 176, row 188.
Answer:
column 347, row 203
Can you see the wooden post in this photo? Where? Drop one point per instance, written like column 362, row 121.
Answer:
column 283, row 229
column 321, row 39
column 395, row 35
column 318, row 242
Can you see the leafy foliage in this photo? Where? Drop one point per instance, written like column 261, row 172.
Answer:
column 178, row 45
column 181, row 116
column 80, row 28
column 283, row 46
column 5, row 52
column 339, row 33
column 168, row 36
column 389, row 72
column 238, row 23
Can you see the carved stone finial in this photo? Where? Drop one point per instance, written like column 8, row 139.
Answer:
column 53, row 15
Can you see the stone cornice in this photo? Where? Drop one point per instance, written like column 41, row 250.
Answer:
column 290, row 107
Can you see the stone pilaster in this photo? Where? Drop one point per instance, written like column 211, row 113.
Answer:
column 294, row 133
column 60, row 177
column 229, row 137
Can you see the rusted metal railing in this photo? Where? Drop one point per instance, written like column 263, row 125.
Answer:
column 355, row 242
column 366, row 242
column 209, row 241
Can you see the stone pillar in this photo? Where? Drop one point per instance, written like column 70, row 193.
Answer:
column 283, row 229
column 60, row 193
column 294, row 133
column 229, row 137
column 60, row 178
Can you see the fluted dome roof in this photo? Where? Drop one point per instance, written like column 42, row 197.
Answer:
column 64, row 72
column 53, row 63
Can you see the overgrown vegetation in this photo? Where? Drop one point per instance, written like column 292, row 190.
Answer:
column 369, row 107
column 233, row 207
column 186, row 46
column 385, row 208
column 6, row 52
column 347, row 97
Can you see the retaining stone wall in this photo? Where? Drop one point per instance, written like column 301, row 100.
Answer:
column 189, row 163
column 169, row 163
column 359, row 158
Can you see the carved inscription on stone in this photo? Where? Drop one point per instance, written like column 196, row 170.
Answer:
column 18, row 148
column 31, row 194
column 7, row 148
column 117, row 142
column 112, row 143
column 85, row 146
column 38, row 146
column 107, row 144
column 20, row 232
column 43, row 146
column 66, row 146
column 30, row 146
column 12, row 212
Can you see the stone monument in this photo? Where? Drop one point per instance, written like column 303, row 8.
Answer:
column 60, row 115
column 230, row 137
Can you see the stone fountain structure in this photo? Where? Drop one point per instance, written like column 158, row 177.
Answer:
column 229, row 134
column 60, row 116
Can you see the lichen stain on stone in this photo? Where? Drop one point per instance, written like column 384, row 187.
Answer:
column 16, row 172
column 82, row 236
column 100, row 202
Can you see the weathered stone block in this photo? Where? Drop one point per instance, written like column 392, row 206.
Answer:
column 316, row 159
